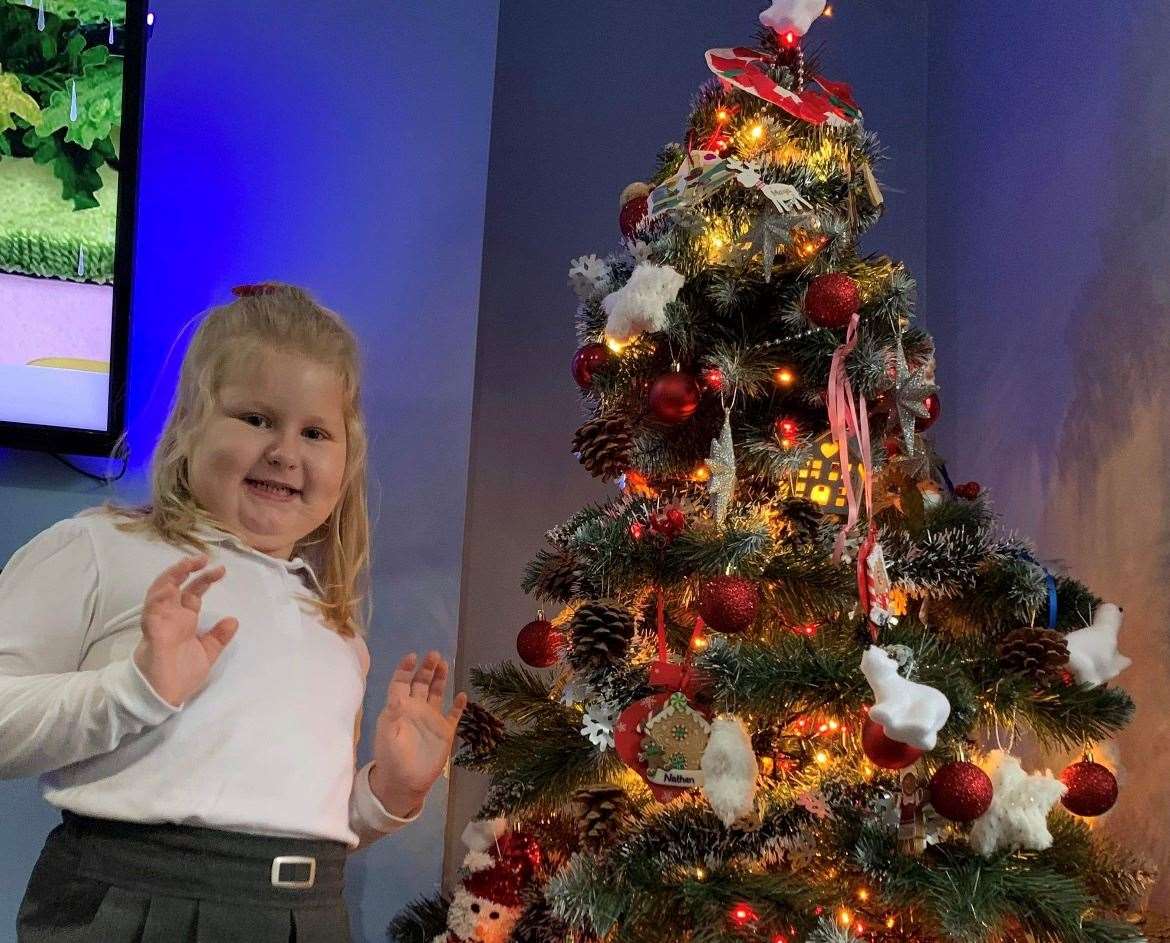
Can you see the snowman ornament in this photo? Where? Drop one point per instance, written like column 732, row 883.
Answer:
column 489, row 901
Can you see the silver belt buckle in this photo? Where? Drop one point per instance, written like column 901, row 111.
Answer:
column 293, row 859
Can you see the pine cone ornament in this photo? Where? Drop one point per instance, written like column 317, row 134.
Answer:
column 600, row 811
column 603, row 446
column 601, row 633
column 1039, row 654
column 560, row 579
column 538, row 924
column 480, row 730
column 804, row 520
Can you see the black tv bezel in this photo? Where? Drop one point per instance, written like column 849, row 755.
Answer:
column 64, row 439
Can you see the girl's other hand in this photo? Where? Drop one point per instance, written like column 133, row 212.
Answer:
column 172, row 655
column 413, row 738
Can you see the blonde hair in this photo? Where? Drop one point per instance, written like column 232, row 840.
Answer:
column 285, row 318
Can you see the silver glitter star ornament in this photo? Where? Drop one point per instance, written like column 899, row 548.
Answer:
column 911, row 390
column 721, row 463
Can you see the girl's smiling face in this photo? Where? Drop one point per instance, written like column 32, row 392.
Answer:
column 269, row 461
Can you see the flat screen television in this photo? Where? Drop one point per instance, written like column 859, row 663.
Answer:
column 71, row 81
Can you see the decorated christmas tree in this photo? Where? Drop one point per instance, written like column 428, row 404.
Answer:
column 792, row 670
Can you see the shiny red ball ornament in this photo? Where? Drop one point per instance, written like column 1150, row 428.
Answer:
column 832, row 300
column 586, row 361
column 1092, row 789
column 934, row 407
column 674, row 397
column 893, row 445
column 635, row 205
column 968, row 491
column 960, row 791
column 728, row 603
column 884, row 752
column 787, row 429
column 539, row 643
column 637, row 530
column 713, row 379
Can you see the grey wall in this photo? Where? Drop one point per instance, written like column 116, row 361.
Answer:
column 321, row 144
column 1048, row 275
column 582, row 105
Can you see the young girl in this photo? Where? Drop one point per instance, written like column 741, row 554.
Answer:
column 187, row 679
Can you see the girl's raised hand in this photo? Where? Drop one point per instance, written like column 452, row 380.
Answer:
column 414, row 735
column 172, row 655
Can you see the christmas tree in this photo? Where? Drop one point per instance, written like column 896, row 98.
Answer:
column 792, row 659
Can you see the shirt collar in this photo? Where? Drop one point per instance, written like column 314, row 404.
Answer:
column 216, row 535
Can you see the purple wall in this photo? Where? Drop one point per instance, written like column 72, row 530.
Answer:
column 1050, row 290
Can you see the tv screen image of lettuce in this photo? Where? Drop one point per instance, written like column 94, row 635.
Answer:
column 61, row 82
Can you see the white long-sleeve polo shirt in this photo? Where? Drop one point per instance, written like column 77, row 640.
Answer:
column 266, row 746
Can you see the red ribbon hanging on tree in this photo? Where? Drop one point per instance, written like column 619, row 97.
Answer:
column 848, row 415
column 671, row 677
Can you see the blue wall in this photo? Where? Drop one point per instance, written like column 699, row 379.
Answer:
column 1049, row 209
column 582, row 105
column 324, row 144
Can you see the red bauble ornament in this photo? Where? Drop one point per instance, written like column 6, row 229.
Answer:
column 586, row 361
column 787, row 429
column 1092, row 789
column 832, row 300
column 539, row 643
column 884, row 752
column 637, row 530
column 960, row 791
column 674, row 397
column 892, row 445
column 635, row 204
column 969, row 491
column 934, row 407
column 728, row 603
column 713, row 379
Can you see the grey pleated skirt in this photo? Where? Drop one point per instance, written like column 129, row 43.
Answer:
column 125, row 882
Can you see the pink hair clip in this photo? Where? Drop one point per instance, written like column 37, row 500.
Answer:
column 250, row 291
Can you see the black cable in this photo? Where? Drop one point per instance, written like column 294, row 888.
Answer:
column 123, row 454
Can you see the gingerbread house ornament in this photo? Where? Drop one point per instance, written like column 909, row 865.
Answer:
column 673, row 746
column 820, row 481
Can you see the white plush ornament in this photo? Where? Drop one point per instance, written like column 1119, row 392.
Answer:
column 1093, row 657
column 587, row 276
column 729, row 769
column 794, row 16
column 908, row 712
column 1018, row 817
column 640, row 304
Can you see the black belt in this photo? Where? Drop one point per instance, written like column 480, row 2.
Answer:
column 192, row 861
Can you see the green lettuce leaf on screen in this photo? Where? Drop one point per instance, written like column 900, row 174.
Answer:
column 15, row 101
column 99, row 102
